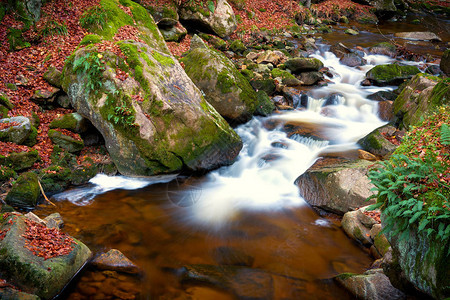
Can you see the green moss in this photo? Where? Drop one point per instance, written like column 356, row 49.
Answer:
column 264, row 107
column 345, row 276
column 6, row 173
column 237, row 46
column 55, row 179
column 132, row 57
column 248, row 74
column 16, row 40
column 25, row 191
column 224, row 82
column 162, row 59
column 66, row 121
column 90, row 39
column 391, row 74
column 30, row 141
column 19, row 160
column 4, row 100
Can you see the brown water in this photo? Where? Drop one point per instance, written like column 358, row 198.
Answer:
column 299, row 255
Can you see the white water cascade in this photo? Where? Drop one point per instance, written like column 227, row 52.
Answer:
column 263, row 176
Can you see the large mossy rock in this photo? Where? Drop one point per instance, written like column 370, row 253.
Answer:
column 72, row 121
column 66, row 142
column 391, row 74
column 445, row 62
column 376, row 143
column 225, row 88
column 422, row 260
column 34, row 274
column 25, row 192
column 19, row 160
column 220, row 20
column 156, row 120
column 302, row 64
column 337, row 188
column 423, row 94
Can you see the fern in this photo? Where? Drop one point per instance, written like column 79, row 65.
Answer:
column 90, row 66
column 445, row 134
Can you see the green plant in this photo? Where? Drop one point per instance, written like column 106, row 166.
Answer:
column 91, row 66
column 94, row 16
column 122, row 115
column 52, row 27
column 211, row 6
column 445, row 134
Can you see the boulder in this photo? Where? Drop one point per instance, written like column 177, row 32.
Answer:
column 337, row 188
column 266, row 85
column 379, row 239
column 156, row 120
column 165, row 16
column 225, row 88
column 377, row 143
column 382, row 96
column 302, row 64
column 65, row 141
column 219, row 19
column 19, row 161
column 422, row 94
column 357, row 226
column 114, row 260
column 39, row 270
column 340, row 50
column 16, row 134
column 418, row 36
column 45, row 96
column 25, row 192
column 352, row 60
column 174, row 33
column 384, row 48
column 391, row 74
column 265, row 106
column 53, row 76
column 386, row 110
column 445, row 62
column 71, row 121
column 310, row 78
column 372, row 285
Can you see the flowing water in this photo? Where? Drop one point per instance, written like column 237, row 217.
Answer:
column 249, row 214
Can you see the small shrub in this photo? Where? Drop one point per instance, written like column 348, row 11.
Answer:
column 92, row 67
column 94, row 17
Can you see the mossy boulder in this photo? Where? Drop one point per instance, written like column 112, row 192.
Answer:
column 238, row 47
column 173, row 33
column 376, row 142
column 338, row 188
column 156, row 121
column 266, row 85
column 4, row 101
column 303, row 64
column 71, row 121
column 445, row 62
column 265, row 106
column 25, row 192
column 19, row 161
column 18, row 133
column 384, row 48
column 34, row 274
column 6, row 173
column 55, row 179
column 286, row 77
column 65, row 141
column 53, row 76
column 422, row 95
column 225, row 88
column 391, row 74
column 220, row 20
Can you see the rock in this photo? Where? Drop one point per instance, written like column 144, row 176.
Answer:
column 43, row 96
column 351, row 31
column 340, row 50
column 65, row 141
column 151, row 124
column 337, row 188
column 382, row 96
column 5, row 105
column 380, row 6
column 174, row 33
column 352, row 60
column 16, row 134
column 286, row 78
column 302, row 64
column 379, row 239
column 225, row 88
column 237, row 46
column 418, row 36
column 53, row 76
column 365, row 17
column 221, row 20
column 71, row 121
column 421, row 95
column 34, row 274
column 114, row 260
column 13, row 294
column 357, row 226
column 421, row 260
column 264, row 107
column 63, row 101
column 366, row 155
column 392, row 74
column 19, row 161
column 274, row 57
column 232, row 257
column 54, row 221
column 386, row 110
column 434, row 70
column 310, row 78
column 165, row 16
column 34, row 218
column 25, row 192
column 266, row 85
column 384, row 48
column 376, row 143
column 445, row 62
column 372, row 285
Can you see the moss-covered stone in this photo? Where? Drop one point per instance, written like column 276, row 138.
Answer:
column 25, row 192
column 4, row 101
column 6, row 173
column 19, row 161
column 55, row 179
column 16, row 40
column 53, row 76
column 445, row 62
column 392, row 74
column 238, row 47
column 265, row 105
column 89, row 39
column 376, row 143
column 266, row 85
column 72, row 121
column 34, row 274
column 64, row 141
column 302, row 64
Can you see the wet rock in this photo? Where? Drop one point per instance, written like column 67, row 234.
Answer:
column 16, row 134
column 372, row 285
column 72, row 121
column 418, row 36
column 233, row 257
column 266, row 85
column 340, row 50
column 222, row 21
column 280, row 101
column 392, row 74
column 25, row 192
column 366, row 155
column 53, row 76
column 334, row 99
column 34, row 274
column 382, row 96
column 173, row 33
column 352, row 60
column 54, row 221
column 265, row 106
column 302, row 64
column 376, row 142
column 19, row 161
column 384, row 48
column 445, row 62
column 337, row 188
column 65, row 141
column 357, row 226
column 310, row 78
column 114, row 260
column 13, row 294
column 386, row 110
column 351, row 31
column 422, row 94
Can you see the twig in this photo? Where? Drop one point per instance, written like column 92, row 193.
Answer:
column 42, row 190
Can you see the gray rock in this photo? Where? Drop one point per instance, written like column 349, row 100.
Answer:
column 63, row 101
column 377, row 144
column 357, row 226
column 174, row 33
column 16, row 134
column 340, row 50
column 337, row 188
column 114, row 260
column 54, row 221
column 53, row 76
column 384, row 48
column 65, row 141
column 352, row 60
column 418, row 36
column 310, row 78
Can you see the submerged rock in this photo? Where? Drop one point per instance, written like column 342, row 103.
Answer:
column 36, row 274
column 114, row 260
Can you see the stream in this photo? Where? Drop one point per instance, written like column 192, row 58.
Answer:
column 248, row 214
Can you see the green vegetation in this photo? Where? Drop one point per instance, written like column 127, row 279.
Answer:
column 94, row 17
column 412, row 186
column 90, row 66
column 90, row 39
column 123, row 115
column 53, row 27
